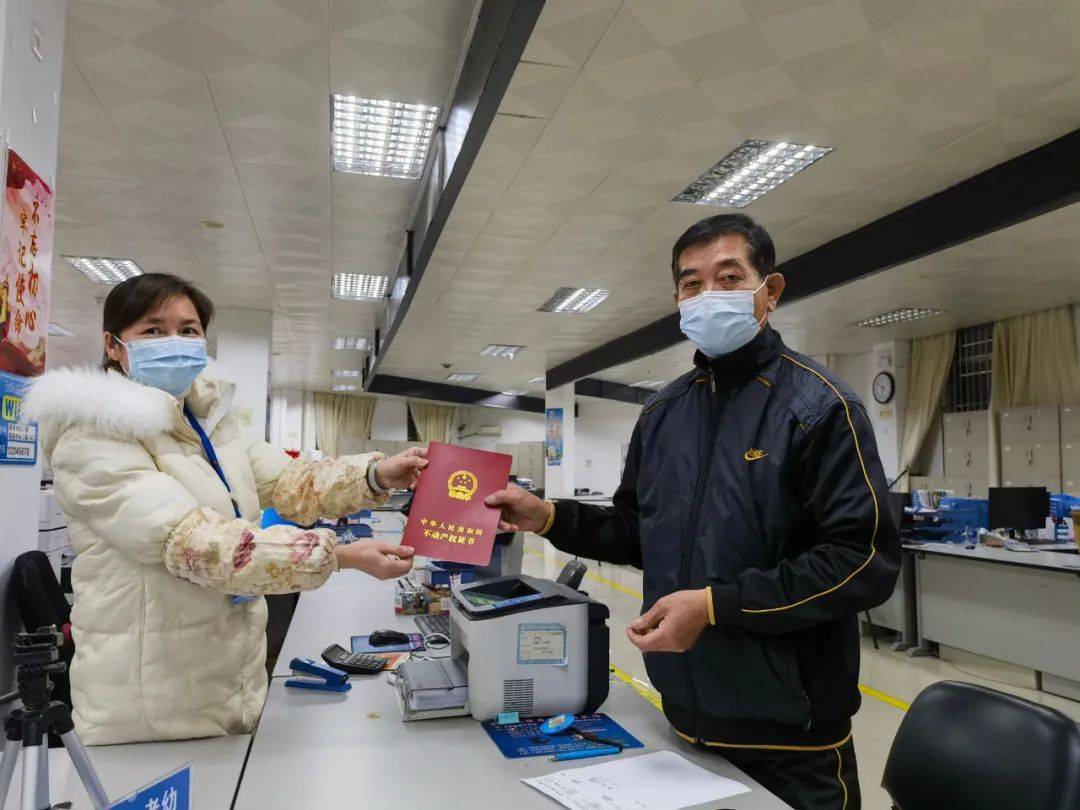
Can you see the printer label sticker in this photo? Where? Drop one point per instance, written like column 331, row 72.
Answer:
column 542, row 644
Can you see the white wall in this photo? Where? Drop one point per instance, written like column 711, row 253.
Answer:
column 516, row 426
column 243, row 357
column 29, row 122
column 391, row 420
column 603, row 427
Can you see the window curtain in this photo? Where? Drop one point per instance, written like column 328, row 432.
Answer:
column 928, row 370
column 433, row 422
column 1035, row 360
column 339, row 416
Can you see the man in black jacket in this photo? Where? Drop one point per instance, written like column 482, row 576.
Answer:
column 754, row 502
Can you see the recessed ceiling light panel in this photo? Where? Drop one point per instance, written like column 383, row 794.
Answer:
column 649, row 384
column 345, row 372
column 462, row 377
column 538, row 381
column 380, row 137
column 342, row 388
column 401, row 284
column 515, row 393
column 358, row 287
column 575, row 300
column 499, row 350
column 55, row 330
column 349, row 343
column 750, row 170
column 105, row 271
column 898, row 316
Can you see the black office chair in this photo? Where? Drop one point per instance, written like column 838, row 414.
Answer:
column 966, row 746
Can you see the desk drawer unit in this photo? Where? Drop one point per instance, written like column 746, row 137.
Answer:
column 1037, row 423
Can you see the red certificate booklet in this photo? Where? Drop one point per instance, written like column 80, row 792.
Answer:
column 448, row 519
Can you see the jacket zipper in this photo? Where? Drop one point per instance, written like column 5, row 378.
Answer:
column 695, row 513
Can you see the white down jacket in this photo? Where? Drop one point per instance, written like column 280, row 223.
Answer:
column 161, row 650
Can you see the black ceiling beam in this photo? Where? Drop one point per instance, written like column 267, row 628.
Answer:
column 1027, row 186
column 502, row 31
column 458, row 394
column 604, row 389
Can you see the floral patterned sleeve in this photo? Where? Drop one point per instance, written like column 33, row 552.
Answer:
column 236, row 557
column 331, row 488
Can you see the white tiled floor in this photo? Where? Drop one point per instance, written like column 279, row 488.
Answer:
column 892, row 674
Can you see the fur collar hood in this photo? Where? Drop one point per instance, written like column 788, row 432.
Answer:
column 111, row 404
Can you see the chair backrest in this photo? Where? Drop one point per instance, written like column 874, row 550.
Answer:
column 961, row 745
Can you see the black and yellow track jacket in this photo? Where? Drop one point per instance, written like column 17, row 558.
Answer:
column 755, row 475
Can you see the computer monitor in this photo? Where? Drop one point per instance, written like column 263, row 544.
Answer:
column 1019, row 507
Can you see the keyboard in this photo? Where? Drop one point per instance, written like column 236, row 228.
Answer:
column 432, row 624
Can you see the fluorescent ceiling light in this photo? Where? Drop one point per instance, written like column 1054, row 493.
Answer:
column 538, row 381
column 349, row 343
column 55, row 330
column 341, row 388
column 898, row 316
column 358, row 287
column 514, row 393
column 649, row 384
column 499, row 350
column 750, row 170
column 575, row 300
column 345, row 372
column 461, row 377
column 105, row 271
column 380, row 137
column 401, row 284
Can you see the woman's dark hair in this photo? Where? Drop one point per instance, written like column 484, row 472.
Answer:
column 758, row 241
column 132, row 299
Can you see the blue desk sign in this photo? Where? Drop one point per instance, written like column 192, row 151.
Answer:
column 18, row 438
column 170, row 792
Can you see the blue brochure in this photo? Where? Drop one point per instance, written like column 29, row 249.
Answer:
column 524, row 739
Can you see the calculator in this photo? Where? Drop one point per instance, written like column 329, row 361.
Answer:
column 353, row 663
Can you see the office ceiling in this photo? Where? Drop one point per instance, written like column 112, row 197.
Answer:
column 179, row 111
column 1024, row 268
column 617, row 106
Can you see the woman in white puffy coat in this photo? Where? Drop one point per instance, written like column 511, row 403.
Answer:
column 166, row 527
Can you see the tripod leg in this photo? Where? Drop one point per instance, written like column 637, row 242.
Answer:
column 31, row 800
column 87, row 774
column 7, row 768
column 43, row 774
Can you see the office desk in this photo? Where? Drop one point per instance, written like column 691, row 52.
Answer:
column 1019, row 607
column 329, row 750
column 217, row 762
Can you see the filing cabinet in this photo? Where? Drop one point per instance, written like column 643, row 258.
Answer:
column 1070, row 466
column 968, row 487
column 1070, row 422
column 1031, row 464
column 970, row 429
column 967, row 462
column 1037, row 423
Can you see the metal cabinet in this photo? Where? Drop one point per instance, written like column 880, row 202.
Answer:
column 970, row 429
column 1031, row 464
column 1070, row 423
column 1070, row 467
column 1037, row 423
column 968, row 487
column 967, row 462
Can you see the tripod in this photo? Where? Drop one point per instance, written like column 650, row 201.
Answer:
column 36, row 656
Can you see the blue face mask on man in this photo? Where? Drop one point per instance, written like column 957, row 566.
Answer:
column 169, row 363
column 720, row 321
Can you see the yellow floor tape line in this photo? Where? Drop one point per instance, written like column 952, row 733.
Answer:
column 653, row 698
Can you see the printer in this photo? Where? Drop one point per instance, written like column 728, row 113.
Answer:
column 531, row 646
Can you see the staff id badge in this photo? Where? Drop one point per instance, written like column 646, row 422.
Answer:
column 543, row 644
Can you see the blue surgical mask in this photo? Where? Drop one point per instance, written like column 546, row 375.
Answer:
column 721, row 321
column 169, row 363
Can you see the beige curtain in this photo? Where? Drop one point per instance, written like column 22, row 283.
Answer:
column 433, row 422
column 928, row 369
column 1035, row 360
column 339, row 416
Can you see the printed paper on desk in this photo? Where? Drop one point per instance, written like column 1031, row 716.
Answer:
column 660, row 781
column 448, row 519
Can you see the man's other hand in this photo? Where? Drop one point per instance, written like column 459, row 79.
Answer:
column 673, row 624
column 521, row 510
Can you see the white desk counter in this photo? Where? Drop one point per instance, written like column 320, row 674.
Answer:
column 1018, row 607
column 217, row 763
column 350, row 750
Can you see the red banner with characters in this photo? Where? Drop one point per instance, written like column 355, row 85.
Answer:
column 26, row 236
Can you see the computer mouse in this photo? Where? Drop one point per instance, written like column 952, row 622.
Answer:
column 382, row 638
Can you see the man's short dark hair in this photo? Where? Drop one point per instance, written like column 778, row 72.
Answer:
column 760, row 244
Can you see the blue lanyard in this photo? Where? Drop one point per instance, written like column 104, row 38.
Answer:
column 211, row 456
